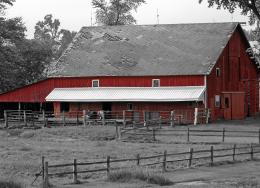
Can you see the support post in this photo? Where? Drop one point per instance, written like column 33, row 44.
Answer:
column 103, row 118
column 154, row 139
column 207, row 115
column 24, row 118
column 223, row 135
column 211, row 155
column 6, row 119
column 234, row 152
column 124, row 119
column 108, row 165
column 144, row 119
column 164, row 161
column 119, row 132
column 46, row 175
column 190, row 158
column 75, row 173
column 172, row 119
column 77, row 118
column 188, row 135
column 43, row 168
column 84, row 117
column 44, row 119
column 196, row 116
column 138, row 159
column 160, row 122
column 63, row 118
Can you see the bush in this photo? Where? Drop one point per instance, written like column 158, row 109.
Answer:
column 127, row 175
column 10, row 184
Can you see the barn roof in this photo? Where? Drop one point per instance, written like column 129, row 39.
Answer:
column 137, row 94
column 137, row 50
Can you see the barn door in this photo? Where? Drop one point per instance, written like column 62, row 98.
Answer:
column 227, row 105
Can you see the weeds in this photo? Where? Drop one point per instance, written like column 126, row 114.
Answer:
column 10, row 184
column 128, row 175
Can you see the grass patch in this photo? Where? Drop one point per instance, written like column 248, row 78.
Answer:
column 136, row 174
column 10, row 184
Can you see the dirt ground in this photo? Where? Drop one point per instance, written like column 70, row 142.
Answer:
column 21, row 151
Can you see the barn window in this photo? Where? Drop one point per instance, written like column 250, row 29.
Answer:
column 156, row 83
column 218, row 73
column 217, row 101
column 129, row 106
column 64, row 107
column 95, row 83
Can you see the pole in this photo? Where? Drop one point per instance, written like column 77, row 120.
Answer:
column 234, row 152
column 160, row 122
column 63, row 118
column 24, row 118
column 251, row 152
column 164, row 160
column 108, row 165
column 188, row 135
column 44, row 119
column 154, row 135
column 46, row 175
column 138, row 159
column 124, row 119
column 6, row 119
column 190, row 158
column 172, row 119
column 84, row 117
column 42, row 168
column 223, row 135
column 211, row 155
column 75, row 175
column 196, row 116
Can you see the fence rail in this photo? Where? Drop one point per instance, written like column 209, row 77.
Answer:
column 192, row 158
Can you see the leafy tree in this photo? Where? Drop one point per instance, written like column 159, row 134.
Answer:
column 116, row 12
column 3, row 4
column 65, row 39
column 248, row 7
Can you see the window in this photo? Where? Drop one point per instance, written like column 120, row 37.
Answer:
column 64, row 107
column 226, row 102
column 129, row 106
column 217, row 101
column 95, row 83
column 156, row 83
column 218, row 73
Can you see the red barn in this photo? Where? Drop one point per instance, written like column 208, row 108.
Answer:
column 151, row 67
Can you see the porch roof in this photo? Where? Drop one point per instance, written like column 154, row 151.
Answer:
column 127, row 94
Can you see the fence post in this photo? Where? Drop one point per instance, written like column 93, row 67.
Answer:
column 117, row 134
column 84, row 118
column 144, row 119
column 259, row 136
column 160, row 122
column 190, row 158
column 6, row 119
column 164, row 160
column 43, row 168
column 196, row 116
column 24, row 118
column 75, row 173
column 46, row 175
column 234, row 152
column 77, row 118
column 188, row 135
column 154, row 139
column 44, row 119
column 63, row 118
column 251, row 152
column 32, row 119
column 138, row 159
column 103, row 118
column 172, row 119
column 223, row 135
column 108, row 165
column 211, row 155
column 124, row 119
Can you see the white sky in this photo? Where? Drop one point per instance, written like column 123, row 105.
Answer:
column 73, row 14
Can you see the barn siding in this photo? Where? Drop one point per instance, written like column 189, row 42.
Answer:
column 37, row 92
column 238, row 74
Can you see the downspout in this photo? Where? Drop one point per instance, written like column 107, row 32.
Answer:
column 206, row 92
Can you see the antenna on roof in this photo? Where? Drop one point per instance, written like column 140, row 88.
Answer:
column 158, row 17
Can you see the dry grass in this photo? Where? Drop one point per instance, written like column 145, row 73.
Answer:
column 124, row 176
column 10, row 184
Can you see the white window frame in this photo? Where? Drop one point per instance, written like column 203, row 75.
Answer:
column 95, row 81
column 159, row 82
column 217, row 101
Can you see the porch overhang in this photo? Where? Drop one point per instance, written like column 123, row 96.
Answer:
column 128, row 94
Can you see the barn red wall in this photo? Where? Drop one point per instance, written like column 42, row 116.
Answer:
column 37, row 92
column 238, row 73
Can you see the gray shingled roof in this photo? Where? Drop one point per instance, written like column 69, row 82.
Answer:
column 180, row 49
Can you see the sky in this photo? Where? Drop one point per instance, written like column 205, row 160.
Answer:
column 73, row 14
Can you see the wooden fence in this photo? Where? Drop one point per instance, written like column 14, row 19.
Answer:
column 157, row 132
column 27, row 118
column 166, row 161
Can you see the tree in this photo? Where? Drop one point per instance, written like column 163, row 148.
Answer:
column 248, row 7
column 3, row 4
column 65, row 39
column 116, row 12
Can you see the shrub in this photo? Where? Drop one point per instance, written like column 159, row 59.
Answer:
column 127, row 175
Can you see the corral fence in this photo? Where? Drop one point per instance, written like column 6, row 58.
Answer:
column 28, row 118
column 164, row 161
column 159, row 132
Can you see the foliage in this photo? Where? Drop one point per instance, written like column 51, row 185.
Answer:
column 248, row 7
column 65, row 39
column 116, row 12
column 3, row 4
column 127, row 175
